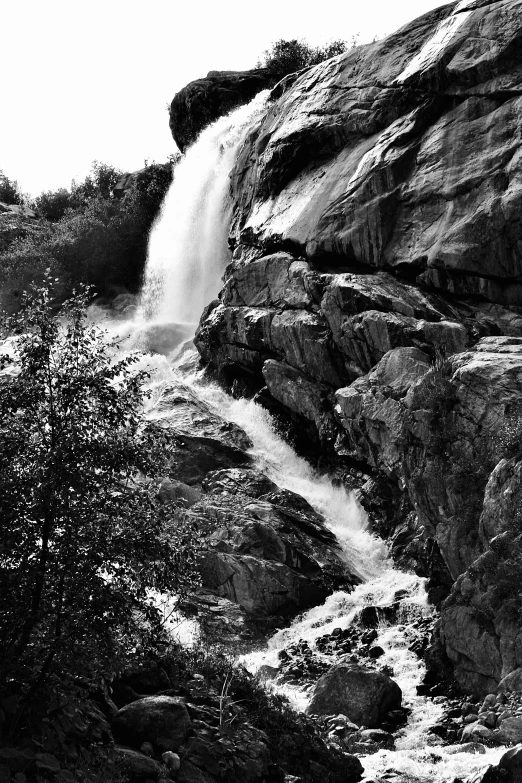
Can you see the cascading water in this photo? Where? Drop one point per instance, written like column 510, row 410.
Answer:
column 187, row 254
column 188, row 244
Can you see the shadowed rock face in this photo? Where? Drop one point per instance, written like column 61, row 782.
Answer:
column 375, row 290
column 205, row 100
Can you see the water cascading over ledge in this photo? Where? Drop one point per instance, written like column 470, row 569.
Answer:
column 188, row 248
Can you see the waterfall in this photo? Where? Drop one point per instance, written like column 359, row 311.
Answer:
column 187, row 254
column 188, row 248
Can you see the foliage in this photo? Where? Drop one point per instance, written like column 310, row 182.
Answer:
column 289, row 56
column 293, row 740
column 90, row 236
column 53, row 205
column 10, row 192
column 84, row 539
column 152, row 183
column 99, row 184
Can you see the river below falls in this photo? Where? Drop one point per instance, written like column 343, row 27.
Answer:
column 419, row 757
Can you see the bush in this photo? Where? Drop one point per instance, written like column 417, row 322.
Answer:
column 10, row 192
column 289, row 56
column 83, row 540
column 92, row 237
column 53, row 205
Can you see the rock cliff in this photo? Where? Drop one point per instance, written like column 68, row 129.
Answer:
column 204, row 100
column 375, row 294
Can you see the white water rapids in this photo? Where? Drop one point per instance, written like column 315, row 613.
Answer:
column 187, row 255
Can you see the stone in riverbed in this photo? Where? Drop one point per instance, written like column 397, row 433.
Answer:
column 363, row 695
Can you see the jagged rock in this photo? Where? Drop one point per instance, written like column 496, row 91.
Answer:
column 200, row 440
column 161, row 720
column 376, row 232
column 399, row 178
column 239, row 480
column 363, row 695
column 261, row 587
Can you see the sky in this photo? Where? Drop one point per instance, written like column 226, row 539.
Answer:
column 86, row 80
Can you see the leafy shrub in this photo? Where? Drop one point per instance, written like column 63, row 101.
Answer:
column 289, row 56
column 10, row 192
column 53, row 205
column 83, row 540
column 152, row 184
column 92, row 237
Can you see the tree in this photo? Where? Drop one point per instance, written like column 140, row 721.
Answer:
column 10, row 192
column 289, row 56
column 84, row 539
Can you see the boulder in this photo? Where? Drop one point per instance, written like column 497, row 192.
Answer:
column 511, row 683
column 511, row 729
column 365, row 696
column 205, row 100
column 161, row 720
column 137, row 767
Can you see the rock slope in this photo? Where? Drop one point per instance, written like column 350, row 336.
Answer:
column 375, row 293
column 269, row 554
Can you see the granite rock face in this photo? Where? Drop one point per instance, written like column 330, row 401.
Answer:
column 401, row 155
column 375, row 291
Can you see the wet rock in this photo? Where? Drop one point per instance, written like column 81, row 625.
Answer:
column 239, row 480
column 364, row 696
column 160, row 720
column 381, row 738
column 355, row 275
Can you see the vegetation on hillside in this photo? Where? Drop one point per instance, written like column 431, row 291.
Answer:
column 84, row 537
column 10, row 191
column 88, row 234
column 289, row 56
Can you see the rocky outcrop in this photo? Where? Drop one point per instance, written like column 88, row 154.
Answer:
column 375, row 288
column 268, row 552
column 401, row 155
column 205, row 100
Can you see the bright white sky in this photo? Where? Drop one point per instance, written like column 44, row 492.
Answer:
column 91, row 79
